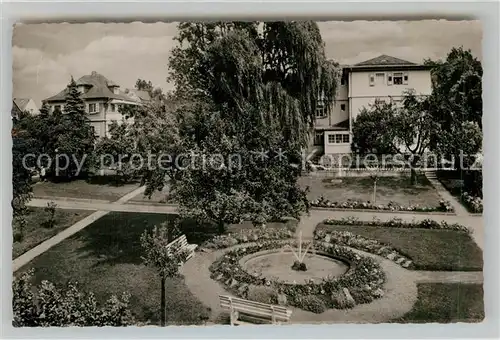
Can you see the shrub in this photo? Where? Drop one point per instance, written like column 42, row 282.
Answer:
column 50, row 209
column 18, row 226
column 49, row 305
column 262, row 294
column 312, row 303
column 361, row 295
column 338, row 300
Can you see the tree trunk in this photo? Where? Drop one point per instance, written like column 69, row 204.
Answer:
column 413, row 176
column 163, row 303
column 375, row 192
column 222, row 228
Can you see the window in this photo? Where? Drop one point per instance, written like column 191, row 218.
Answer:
column 93, row 129
column 389, row 79
column 113, row 107
column 405, row 79
column 93, row 108
column 372, row 79
column 379, row 101
column 397, row 78
column 320, row 112
column 343, row 81
column 379, row 78
column 342, row 107
column 339, row 138
column 319, row 137
column 57, row 108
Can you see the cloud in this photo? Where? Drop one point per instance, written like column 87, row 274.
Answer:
column 123, row 59
column 45, row 56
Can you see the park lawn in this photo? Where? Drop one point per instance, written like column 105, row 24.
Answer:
column 83, row 189
column 446, row 250
column 396, row 189
column 105, row 258
column 35, row 233
column 447, row 302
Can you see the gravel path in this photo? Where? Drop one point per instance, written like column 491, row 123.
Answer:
column 400, row 293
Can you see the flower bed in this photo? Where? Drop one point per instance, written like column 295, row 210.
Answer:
column 365, row 277
column 474, row 204
column 399, row 223
column 444, row 206
column 248, row 235
column 359, row 242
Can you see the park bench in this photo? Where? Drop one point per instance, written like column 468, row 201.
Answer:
column 250, row 312
column 181, row 244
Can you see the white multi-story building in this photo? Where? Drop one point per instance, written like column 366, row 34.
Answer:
column 103, row 99
column 383, row 78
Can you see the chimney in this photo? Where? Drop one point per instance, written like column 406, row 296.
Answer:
column 94, row 73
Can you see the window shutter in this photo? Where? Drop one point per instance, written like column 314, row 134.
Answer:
column 389, row 79
column 96, row 107
column 88, row 108
column 405, row 78
column 371, row 78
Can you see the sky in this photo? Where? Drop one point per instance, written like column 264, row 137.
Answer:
column 45, row 56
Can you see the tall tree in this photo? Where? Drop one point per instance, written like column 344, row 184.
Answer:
column 456, row 99
column 387, row 129
column 255, row 89
column 75, row 135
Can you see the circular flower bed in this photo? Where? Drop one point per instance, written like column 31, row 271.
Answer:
column 361, row 284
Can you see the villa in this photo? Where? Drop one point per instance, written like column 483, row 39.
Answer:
column 103, row 99
column 383, row 78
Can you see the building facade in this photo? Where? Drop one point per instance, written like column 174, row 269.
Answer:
column 103, row 99
column 383, row 78
column 21, row 105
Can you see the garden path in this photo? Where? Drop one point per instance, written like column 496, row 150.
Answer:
column 445, row 194
column 47, row 244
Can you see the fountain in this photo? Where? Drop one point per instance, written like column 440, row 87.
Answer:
column 299, row 264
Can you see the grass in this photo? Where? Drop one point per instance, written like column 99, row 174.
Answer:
column 105, row 258
column 446, row 250
column 455, row 185
column 447, row 302
column 394, row 188
column 99, row 190
column 35, row 233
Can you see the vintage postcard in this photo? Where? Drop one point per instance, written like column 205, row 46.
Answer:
column 203, row 173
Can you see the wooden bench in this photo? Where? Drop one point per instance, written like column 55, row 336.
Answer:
column 181, row 244
column 250, row 312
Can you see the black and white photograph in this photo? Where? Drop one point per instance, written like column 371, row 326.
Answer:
column 247, row 173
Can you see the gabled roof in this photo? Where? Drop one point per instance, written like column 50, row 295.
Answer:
column 143, row 95
column 384, row 60
column 21, row 103
column 98, row 88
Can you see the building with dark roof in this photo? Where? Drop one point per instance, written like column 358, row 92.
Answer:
column 20, row 105
column 361, row 85
column 103, row 99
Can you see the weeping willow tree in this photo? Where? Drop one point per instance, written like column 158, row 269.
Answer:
column 252, row 90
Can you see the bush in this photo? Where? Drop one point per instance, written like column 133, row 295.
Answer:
column 262, row 294
column 18, row 226
column 49, row 305
column 50, row 209
column 361, row 295
column 338, row 300
column 312, row 303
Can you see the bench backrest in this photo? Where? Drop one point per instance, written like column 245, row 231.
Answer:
column 280, row 313
column 178, row 244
